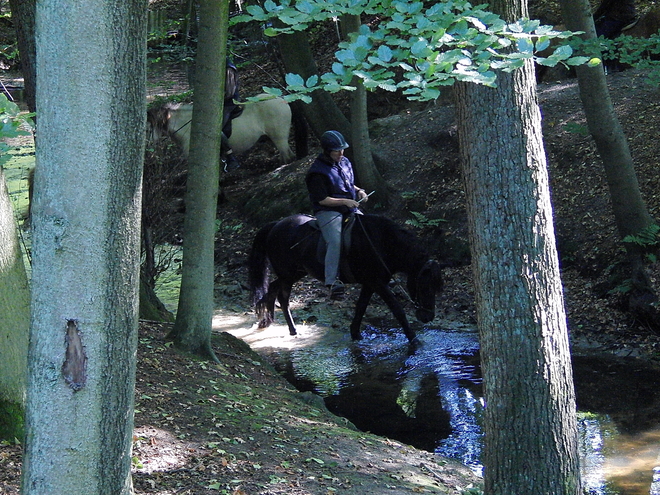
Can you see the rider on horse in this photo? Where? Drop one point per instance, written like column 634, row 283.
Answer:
column 231, row 110
column 334, row 195
column 612, row 16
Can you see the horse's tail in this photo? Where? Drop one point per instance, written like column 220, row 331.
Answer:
column 299, row 129
column 258, row 265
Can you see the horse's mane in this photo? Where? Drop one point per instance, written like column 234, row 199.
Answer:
column 395, row 238
column 157, row 116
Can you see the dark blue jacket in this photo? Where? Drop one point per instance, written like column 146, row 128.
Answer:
column 327, row 178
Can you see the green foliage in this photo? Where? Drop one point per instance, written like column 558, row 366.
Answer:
column 12, row 124
column 159, row 101
column 415, row 49
column 421, row 221
column 11, row 421
column 627, row 50
column 575, row 128
column 647, row 237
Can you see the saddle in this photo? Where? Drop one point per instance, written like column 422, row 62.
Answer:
column 346, row 236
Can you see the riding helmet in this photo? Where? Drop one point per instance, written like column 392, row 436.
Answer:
column 333, row 141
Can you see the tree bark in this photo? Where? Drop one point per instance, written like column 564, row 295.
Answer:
column 322, row 113
column 530, row 417
column 86, row 246
column 367, row 175
column 14, row 307
column 192, row 328
column 23, row 15
column 630, row 212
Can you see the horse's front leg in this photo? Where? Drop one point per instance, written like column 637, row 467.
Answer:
column 360, row 308
column 283, row 297
column 397, row 310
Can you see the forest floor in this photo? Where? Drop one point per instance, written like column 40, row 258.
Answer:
column 239, row 428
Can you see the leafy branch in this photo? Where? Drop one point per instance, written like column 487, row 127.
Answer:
column 415, row 49
column 13, row 124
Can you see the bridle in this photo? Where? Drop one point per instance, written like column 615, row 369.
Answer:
column 426, row 266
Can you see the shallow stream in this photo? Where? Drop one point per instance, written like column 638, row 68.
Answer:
column 433, row 399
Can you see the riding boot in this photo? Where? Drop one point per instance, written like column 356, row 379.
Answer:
column 228, row 158
column 230, row 162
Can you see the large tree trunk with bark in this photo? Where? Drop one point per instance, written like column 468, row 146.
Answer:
column 630, row 211
column 15, row 321
column 192, row 328
column 530, row 416
column 86, row 246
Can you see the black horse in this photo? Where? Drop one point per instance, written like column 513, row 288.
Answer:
column 378, row 249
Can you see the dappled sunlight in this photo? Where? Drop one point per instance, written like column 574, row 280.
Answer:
column 633, row 460
column 155, row 449
column 223, row 322
column 277, row 336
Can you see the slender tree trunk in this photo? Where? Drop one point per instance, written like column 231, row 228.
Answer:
column 530, row 416
column 322, row 113
column 630, row 211
column 86, row 246
column 14, row 308
column 367, row 175
column 192, row 328
column 22, row 12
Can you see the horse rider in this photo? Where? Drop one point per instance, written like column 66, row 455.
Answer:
column 612, row 16
column 334, row 195
column 231, row 110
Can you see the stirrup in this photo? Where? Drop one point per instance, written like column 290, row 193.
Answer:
column 337, row 291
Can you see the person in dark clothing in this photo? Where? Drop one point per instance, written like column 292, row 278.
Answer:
column 231, row 109
column 334, row 195
column 614, row 15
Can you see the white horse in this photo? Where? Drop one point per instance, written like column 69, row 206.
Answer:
column 270, row 118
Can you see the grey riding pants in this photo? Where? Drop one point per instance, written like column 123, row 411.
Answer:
column 330, row 223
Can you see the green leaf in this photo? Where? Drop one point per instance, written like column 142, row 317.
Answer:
column 525, row 45
column 578, row 60
column 294, row 80
column 542, row 44
column 420, row 48
column 384, row 53
column 312, row 81
column 562, row 52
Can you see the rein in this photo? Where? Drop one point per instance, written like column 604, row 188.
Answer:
column 182, row 126
column 391, row 275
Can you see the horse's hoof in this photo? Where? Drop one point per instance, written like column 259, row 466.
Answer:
column 293, row 332
column 414, row 343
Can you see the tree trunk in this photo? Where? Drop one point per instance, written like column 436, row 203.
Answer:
column 22, row 12
column 192, row 328
column 86, row 246
column 630, row 212
column 530, row 416
column 322, row 113
column 367, row 175
column 15, row 311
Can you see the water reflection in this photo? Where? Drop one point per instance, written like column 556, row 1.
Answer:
column 433, row 399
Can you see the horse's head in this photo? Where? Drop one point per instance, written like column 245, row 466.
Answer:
column 422, row 288
column 157, row 119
